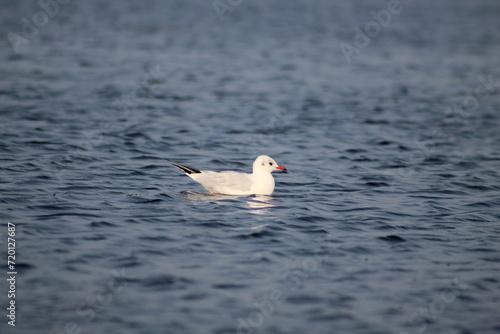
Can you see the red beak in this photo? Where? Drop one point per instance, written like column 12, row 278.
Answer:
column 281, row 168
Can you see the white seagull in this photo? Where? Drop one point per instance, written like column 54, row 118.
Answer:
column 260, row 182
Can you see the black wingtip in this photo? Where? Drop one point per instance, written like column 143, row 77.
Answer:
column 186, row 169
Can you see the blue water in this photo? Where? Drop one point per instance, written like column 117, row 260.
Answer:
column 387, row 221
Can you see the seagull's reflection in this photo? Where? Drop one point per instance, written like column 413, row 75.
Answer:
column 258, row 204
column 261, row 204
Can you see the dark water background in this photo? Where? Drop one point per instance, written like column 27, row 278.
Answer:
column 387, row 222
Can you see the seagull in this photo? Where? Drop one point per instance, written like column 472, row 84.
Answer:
column 260, row 182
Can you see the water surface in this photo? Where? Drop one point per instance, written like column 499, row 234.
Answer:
column 387, row 221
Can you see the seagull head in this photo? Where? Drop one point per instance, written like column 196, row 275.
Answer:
column 265, row 163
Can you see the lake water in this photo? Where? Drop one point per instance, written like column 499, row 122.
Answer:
column 387, row 221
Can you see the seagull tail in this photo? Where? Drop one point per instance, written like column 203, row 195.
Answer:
column 186, row 169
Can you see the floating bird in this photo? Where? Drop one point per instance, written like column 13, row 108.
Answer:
column 260, row 182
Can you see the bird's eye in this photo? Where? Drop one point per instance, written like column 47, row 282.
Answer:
column 270, row 164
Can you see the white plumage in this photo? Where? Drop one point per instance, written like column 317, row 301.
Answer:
column 260, row 182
